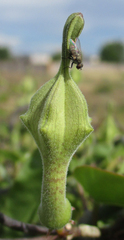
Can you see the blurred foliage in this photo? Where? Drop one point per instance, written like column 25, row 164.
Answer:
column 4, row 53
column 56, row 56
column 20, row 161
column 113, row 52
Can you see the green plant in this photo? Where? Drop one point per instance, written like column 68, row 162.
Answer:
column 4, row 53
column 113, row 52
column 56, row 56
column 58, row 120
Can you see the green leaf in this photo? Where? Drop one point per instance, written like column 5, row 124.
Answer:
column 108, row 130
column 10, row 154
column 22, row 200
column 103, row 186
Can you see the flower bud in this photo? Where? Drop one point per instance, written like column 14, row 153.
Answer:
column 58, row 120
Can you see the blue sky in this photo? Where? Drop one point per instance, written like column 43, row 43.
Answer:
column 35, row 26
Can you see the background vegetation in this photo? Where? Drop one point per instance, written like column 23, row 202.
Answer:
column 4, row 53
column 113, row 52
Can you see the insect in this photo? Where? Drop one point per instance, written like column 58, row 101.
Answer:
column 75, row 53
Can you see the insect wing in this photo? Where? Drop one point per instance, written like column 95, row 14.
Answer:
column 72, row 45
column 78, row 46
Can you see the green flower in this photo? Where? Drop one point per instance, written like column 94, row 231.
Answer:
column 58, row 121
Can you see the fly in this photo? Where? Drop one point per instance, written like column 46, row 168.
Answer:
column 75, row 53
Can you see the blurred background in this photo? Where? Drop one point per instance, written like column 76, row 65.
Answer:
column 30, row 54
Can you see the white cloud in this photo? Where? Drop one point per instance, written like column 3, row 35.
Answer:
column 9, row 41
column 47, row 47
